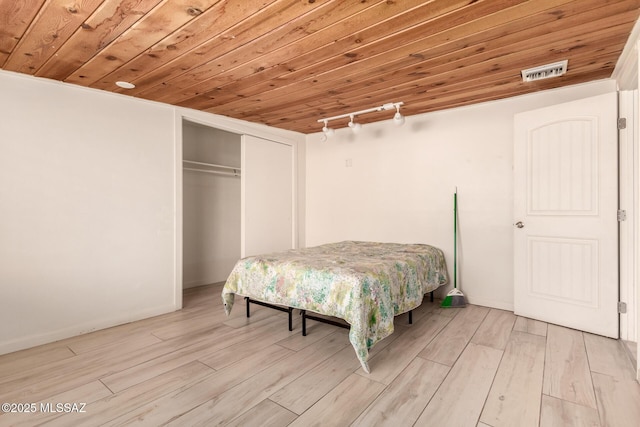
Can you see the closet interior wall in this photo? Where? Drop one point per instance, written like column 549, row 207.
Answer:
column 211, row 204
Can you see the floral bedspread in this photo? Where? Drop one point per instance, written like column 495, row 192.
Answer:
column 364, row 283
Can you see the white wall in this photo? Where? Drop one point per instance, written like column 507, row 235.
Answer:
column 87, row 210
column 90, row 207
column 401, row 182
column 211, row 206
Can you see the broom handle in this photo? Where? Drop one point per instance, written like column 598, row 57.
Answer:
column 455, row 239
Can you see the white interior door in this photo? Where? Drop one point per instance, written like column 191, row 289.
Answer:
column 565, row 227
column 267, row 196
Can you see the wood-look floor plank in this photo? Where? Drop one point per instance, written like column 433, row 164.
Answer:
column 175, row 403
column 608, row 356
column 447, row 311
column 495, row 330
column 301, row 394
column 61, row 376
column 514, row 398
column 202, row 320
column 103, row 410
column 23, row 360
column 448, row 345
column 531, row 326
column 406, row 397
column 427, row 307
column 218, row 357
column 342, row 405
column 316, row 331
column 242, row 397
column 264, row 414
column 83, row 396
column 386, row 365
column 257, row 313
column 561, row 413
column 207, row 296
column 200, row 349
column 130, row 341
column 459, row 400
column 632, row 350
column 566, row 372
column 618, row 400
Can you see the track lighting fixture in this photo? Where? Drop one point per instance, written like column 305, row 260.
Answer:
column 398, row 118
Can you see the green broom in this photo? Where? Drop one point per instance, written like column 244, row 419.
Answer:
column 455, row 297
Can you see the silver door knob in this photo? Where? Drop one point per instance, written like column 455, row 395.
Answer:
column 519, row 224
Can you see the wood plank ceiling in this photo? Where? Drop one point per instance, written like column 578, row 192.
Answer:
column 288, row 63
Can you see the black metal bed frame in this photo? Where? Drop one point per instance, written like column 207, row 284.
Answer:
column 306, row 316
column 275, row 307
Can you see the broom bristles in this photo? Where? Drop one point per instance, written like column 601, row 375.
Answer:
column 455, row 298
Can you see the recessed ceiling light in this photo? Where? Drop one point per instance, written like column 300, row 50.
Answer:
column 125, row 85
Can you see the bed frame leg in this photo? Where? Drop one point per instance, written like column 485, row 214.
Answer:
column 304, row 322
column 248, row 310
column 290, row 319
column 411, row 317
column 431, row 296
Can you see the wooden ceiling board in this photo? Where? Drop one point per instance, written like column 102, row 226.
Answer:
column 106, row 24
column 56, row 21
column 453, row 62
column 15, row 17
column 234, row 65
column 273, row 29
column 163, row 60
column 323, row 56
column 150, row 29
column 288, row 63
column 453, row 40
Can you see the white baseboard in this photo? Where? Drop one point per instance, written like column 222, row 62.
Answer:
column 500, row 305
column 75, row 330
column 202, row 282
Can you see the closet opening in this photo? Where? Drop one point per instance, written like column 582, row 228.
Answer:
column 211, row 203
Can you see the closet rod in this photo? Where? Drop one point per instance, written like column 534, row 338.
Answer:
column 191, row 162
column 213, row 172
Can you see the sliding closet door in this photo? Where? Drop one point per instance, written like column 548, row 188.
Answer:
column 267, row 196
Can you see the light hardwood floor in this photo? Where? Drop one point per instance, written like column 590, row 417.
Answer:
column 472, row 366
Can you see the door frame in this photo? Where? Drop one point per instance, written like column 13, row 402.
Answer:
column 234, row 126
column 628, row 201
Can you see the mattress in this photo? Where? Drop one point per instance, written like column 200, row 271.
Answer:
column 364, row 283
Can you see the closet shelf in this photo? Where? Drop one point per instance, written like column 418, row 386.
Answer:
column 211, row 168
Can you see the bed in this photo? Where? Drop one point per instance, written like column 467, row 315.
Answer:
column 364, row 283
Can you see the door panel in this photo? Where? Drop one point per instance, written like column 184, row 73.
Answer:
column 267, row 196
column 565, row 239
column 563, row 168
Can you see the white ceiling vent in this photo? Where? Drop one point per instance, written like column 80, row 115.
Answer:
column 545, row 71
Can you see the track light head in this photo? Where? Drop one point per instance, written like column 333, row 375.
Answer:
column 327, row 130
column 355, row 127
column 398, row 118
